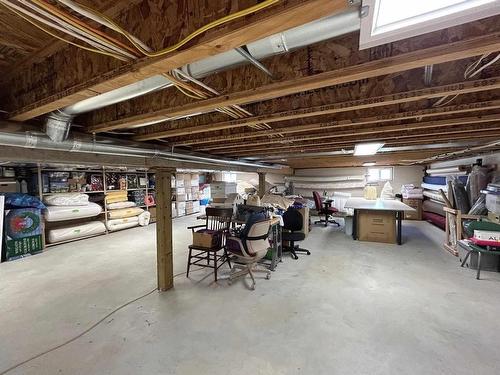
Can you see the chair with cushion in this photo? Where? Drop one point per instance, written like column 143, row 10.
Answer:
column 324, row 208
column 293, row 223
column 249, row 247
column 217, row 223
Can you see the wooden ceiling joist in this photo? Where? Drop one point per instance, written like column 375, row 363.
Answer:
column 408, row 137
column 423, row 113
column 415, row 59
column 336, row 131
column 282, row 16
column 328, row 109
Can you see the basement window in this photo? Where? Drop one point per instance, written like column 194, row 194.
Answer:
column 386, row 21
column 379, row 174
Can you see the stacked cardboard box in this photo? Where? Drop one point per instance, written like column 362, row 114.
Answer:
column 181, row 208
column 221, row 189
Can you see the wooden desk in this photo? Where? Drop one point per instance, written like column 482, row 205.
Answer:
column 361, row 205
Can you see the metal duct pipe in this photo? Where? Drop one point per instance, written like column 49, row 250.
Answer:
column 58, row 123
column 110, row 146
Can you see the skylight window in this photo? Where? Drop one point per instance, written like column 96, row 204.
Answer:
column 390, row 20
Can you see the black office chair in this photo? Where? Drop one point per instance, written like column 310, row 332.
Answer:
column 293, row 223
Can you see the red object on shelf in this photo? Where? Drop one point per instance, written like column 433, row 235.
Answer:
column 485, row 242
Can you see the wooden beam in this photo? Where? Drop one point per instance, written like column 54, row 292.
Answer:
column 282, row 16
column 394, row 64
column 164, row 246
column 448, row 135
column 112, row 9
column 335, row 132
column 423, row 113
column 262, row 184
column 328, row 109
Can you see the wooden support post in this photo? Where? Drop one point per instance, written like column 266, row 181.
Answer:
column 164, row 248
column 262, row 184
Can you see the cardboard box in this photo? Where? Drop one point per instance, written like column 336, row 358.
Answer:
column 221, row 189
column 152, row 211
column 180, row 197
column 23, row 232
column 417, row 205
column 376, row 226
column 7, row 186
column 196, row 206
column 203, row 239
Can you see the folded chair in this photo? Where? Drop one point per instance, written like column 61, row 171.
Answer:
column 250, row 246
column 324, row 209
column 217, row 223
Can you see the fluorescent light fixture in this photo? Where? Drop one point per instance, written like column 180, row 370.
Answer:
column 369, row 164
column 362, row 149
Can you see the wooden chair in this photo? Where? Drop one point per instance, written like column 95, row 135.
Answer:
column 217, row 223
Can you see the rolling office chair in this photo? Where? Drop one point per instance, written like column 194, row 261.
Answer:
column 324, row 209
column 293, row 224
column 250, row 246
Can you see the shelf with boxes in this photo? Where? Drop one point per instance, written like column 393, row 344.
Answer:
column 83, row 203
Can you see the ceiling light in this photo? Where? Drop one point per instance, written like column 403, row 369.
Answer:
column 369, row 164
column 362, row 149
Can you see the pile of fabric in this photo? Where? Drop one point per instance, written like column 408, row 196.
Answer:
column 122, row 213
column 411, row 191
column 71, row 206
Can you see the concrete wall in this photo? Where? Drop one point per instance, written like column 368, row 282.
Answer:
column 401, row 176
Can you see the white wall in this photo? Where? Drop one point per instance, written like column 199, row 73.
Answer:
column 401, row 176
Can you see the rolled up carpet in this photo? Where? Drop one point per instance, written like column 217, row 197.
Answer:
column 69, row 199
column 72, row 232
column 120, row 205
column 116, row 196
column 434, row 195
column 435, row 187
column 117, row 224
column 434, row 207
column 125, row 212
column 437, row 220
column 60, row 213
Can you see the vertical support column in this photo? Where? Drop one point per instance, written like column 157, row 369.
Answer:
column 262, row 184
column 164, row 248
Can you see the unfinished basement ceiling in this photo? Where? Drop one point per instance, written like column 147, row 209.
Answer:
column 324, row 97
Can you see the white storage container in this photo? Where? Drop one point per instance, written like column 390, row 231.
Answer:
column 493, row 203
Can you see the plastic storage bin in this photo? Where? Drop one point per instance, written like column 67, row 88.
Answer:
column 493, row 203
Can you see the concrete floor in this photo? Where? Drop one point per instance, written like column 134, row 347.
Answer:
column 349, row 308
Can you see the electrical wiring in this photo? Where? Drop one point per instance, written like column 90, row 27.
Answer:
column 87, row 12
column 75, row 22
column 469, row 72
column 83, row 333
column 27, row 19
column 187, row 39
column 68, row 28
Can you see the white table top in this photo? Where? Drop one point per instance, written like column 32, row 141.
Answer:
column 379, row 204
